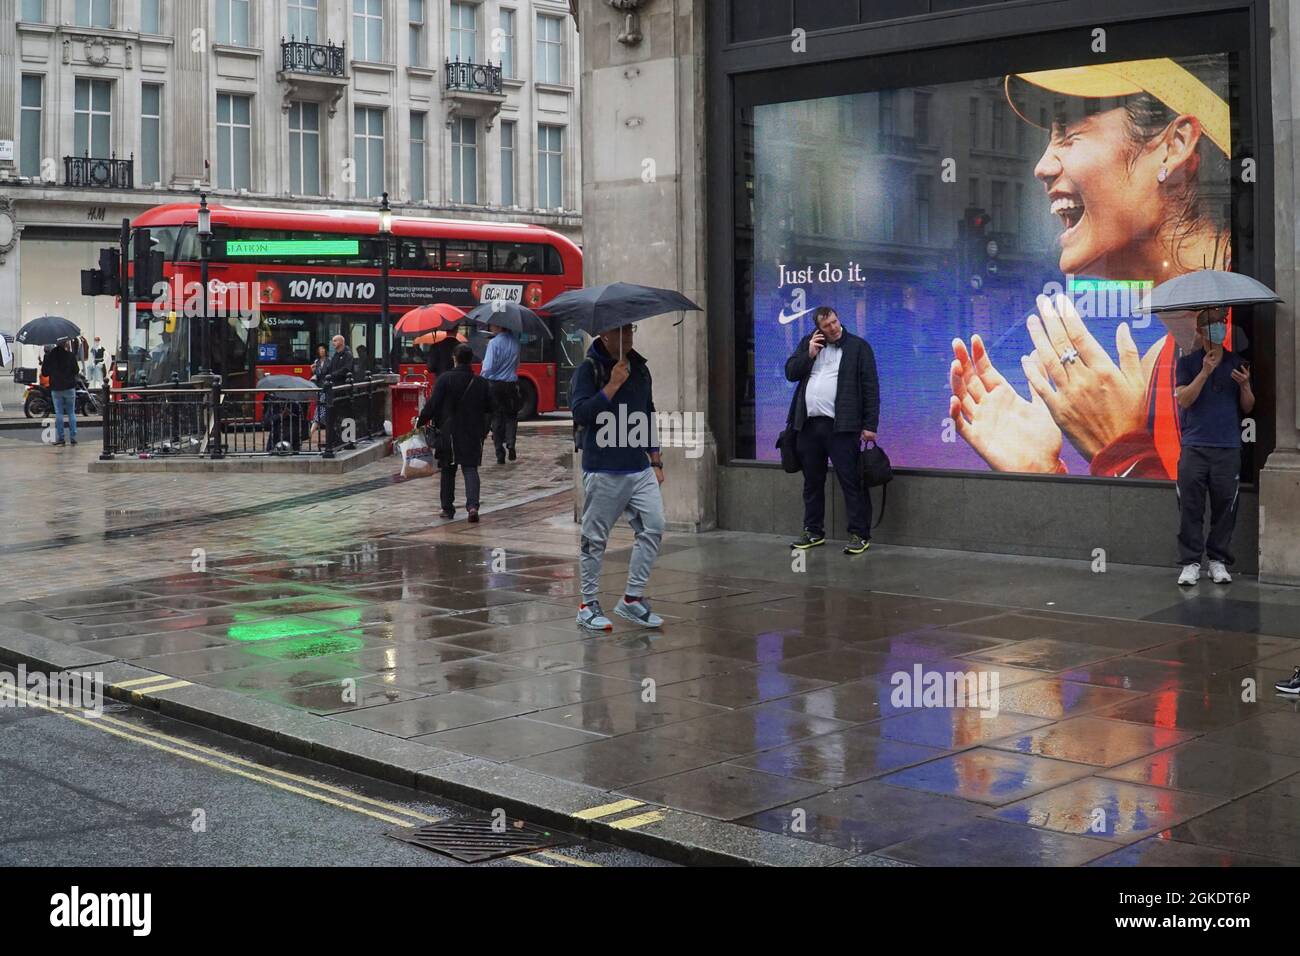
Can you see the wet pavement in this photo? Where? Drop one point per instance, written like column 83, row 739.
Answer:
column 1115, row 719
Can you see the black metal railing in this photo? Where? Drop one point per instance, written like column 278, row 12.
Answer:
column 196, row 421
column 473, row 77
column 98, row 173
column 303, row 56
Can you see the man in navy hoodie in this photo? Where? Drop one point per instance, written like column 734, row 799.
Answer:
column 612, row 400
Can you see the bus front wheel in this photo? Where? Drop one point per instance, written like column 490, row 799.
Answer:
column 527, row 400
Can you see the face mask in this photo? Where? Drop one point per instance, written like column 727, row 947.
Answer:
column 1216, row 333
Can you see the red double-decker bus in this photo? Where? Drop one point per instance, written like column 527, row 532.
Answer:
column 284, row 281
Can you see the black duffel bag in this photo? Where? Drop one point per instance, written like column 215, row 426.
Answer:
column 787, row 443
column 876, row 472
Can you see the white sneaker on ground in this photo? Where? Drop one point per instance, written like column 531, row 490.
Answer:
column 1191, row 573
column 1220, row 573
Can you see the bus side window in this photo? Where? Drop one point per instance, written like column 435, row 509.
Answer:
column 554, row 264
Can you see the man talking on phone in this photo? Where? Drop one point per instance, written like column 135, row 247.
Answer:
column 1213, row 392
column 836, row 407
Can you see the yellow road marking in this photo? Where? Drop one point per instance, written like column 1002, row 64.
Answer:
column 595, row 813
column 98, row 724
column 528, row 860
column 552, row 855
column 142, row 680
column 154, row 690
column 640, row 820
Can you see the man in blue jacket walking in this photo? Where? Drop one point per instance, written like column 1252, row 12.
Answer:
column 612, row 399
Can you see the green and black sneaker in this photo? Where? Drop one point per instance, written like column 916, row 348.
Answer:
column 856, row 545
column 809, row 539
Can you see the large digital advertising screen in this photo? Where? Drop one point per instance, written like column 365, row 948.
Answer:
column 994, row 241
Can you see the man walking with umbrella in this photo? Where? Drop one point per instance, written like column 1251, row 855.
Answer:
column 622, row 470
column 501, row 371
column 61, row 367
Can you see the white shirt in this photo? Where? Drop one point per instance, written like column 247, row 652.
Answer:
column 823, row 382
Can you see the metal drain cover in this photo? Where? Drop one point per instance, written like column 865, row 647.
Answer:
column 476, row 840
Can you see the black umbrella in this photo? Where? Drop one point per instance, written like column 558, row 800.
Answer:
column 274, row 382
column 1209, row 289
column 47, row 330
column 604, row 307
column 509, row 315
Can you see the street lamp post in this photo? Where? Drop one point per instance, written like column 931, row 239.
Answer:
column 205, row 236
column 386, row 231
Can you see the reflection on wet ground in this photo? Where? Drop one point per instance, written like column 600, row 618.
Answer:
column 771, row 702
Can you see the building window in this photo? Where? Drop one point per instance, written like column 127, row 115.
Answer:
column 550, row 167
column 234, row 141
column 921, row 118
column 304, row 149
column 886, row 111
column 92, row 128
column 550, row 49
column 464, row 31
column 368, row 148
column 464, row 160
column 415, row 14
column 923, row 210
column 998, row 126
column 974, row 123
column 33, row 11
column 973, row 197
column 508, row 164
column 417, row 157
column 368, row 30
column 150, row 134
column 94, row 13
column 999, row 206
column 1020, row 208
column 304, row 19
column 151, row 16
column 29, row 125
column 506, row 23
column 232, row 22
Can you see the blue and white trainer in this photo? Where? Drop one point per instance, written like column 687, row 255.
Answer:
column 638, row 612
column 593, row 618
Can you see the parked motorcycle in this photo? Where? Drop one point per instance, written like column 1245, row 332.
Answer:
column 38, row 402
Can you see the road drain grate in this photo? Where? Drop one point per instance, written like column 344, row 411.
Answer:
column 476, row 840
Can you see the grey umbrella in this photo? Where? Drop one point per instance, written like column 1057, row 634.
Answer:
column 286, row 382
column 1209, row 289
column 604, row 307
column 47, row 330
column 509, row 315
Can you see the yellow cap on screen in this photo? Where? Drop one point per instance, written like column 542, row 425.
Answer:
column 1171, row 84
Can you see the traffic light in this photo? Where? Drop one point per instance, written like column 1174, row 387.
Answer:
column 104, row 280
column 979, row 249
column 146, row 265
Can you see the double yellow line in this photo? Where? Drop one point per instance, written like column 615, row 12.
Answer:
column 382, row 810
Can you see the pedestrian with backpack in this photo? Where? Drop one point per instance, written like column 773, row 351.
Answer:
column 612, row 399
column 459, row 409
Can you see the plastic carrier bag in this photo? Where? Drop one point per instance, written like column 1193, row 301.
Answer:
column 417, row 457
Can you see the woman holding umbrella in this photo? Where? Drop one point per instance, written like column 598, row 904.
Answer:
column 459, row 408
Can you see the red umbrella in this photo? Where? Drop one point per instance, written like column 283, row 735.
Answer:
column 429, row 317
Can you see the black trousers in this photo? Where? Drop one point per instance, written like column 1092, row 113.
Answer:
column 817, row 442
column 447, row 488
column 1202, row 472
column 505, row 418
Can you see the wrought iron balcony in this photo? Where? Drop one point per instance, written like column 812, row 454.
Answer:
column 88, row 171
column 473, row 77
column 303, row 56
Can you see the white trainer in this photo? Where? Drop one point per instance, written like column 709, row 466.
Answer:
column 1220, row 573
column 1191, row 573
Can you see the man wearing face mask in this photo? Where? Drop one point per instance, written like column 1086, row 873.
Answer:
column 1213, row 393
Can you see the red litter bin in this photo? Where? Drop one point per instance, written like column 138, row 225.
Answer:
column 408, row 399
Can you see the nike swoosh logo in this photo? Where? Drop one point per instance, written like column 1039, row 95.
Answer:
column 787, row 319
